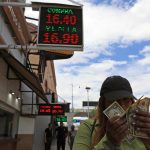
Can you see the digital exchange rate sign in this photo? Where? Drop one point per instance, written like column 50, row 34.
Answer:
column 51, row 109
column 61, row 119
column 61, row 25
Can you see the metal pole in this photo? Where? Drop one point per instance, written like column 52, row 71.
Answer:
column 75, row 2
column 88, row 88
column 88, row 101
column 47, row 48
column 72, row 98
column 15, row 4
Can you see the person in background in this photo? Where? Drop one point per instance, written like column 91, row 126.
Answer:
column 71, row 136
column 56, row 126
column 62, row 133
column 102, row 133
column 48, row 137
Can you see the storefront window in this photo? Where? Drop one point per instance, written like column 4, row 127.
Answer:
column 6, row 119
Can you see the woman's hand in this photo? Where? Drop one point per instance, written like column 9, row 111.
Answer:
column 116, row 130
column 142, row 121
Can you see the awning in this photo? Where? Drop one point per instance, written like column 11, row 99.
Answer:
column 55, row 55
column 24, row 75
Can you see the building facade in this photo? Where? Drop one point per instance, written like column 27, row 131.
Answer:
column 21, row 89
column 27, row 79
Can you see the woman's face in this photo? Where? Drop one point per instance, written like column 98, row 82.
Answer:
column 124, row 103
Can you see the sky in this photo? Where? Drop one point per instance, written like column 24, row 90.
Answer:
column 116, row 42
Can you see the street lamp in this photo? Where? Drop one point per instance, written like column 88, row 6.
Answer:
column 87, row 89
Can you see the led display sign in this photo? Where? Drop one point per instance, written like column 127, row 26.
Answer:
column 51, row 109
column 60, row 25
column 89, row 103
column 61, row 119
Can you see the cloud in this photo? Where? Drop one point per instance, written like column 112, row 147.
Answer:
column 105, row 25
column 132, row 56
column 91, row 75
column 146, row 56
column 109, row 24
column 146, row 50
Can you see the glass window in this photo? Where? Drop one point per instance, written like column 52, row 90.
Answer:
column 6, row 120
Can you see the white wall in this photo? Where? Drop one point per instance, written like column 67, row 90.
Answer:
column 7, row 85
column 26, row 125
column 8, row 102
column 41, row 123
column 69, row 119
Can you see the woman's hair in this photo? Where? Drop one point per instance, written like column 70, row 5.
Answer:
column 101, row 119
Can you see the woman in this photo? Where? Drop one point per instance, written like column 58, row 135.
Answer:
column 104, row 134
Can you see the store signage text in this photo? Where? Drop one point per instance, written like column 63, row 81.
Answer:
column 60, row 26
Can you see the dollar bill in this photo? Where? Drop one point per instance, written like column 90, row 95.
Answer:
column 129, row 137
column 140, row 105
column 143, row 105
column 114, row 110
column 129, row 116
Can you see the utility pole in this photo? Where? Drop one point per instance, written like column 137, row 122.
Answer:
column 72, row 98
column 87, row 89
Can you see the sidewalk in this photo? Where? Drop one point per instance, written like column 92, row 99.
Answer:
column 54, row 144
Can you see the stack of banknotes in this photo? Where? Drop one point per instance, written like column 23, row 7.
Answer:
column 115, row 109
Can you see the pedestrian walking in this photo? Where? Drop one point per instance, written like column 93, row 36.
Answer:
column 48, row 137
column 71, row 136
column 62, row 133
